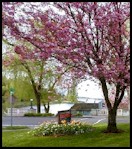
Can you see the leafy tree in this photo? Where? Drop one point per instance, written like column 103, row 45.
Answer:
column 72, row 92
column 43, row 76
column 4, row 89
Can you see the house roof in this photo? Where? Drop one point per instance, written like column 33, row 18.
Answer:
column 84, row 106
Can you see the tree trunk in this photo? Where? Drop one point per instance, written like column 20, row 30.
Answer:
column 46, row 108
column 38, row 102
column 36, row 92
column 128, row 93
column 38, row 105
column 111, row 127
column 112, row 111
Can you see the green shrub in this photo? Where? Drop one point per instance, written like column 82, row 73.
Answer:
column 77, row 115
column 38, row 114
column 48, row 129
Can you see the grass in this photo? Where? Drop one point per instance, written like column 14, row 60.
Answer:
column 15, row 127
column 20, row 138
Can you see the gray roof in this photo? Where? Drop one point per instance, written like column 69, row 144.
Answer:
column 84, row 106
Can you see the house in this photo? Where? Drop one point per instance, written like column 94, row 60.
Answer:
column 92, row 100
column 84, row 108
column 85, row 105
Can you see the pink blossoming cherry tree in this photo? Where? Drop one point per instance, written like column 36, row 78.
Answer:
column 91, row 37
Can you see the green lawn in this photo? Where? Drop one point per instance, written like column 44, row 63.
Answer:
column 14, row 127
column 20, row 138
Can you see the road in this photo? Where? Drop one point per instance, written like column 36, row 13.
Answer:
column 34, row 121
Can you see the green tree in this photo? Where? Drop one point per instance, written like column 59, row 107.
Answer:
column 72, row 92
column 40, row 73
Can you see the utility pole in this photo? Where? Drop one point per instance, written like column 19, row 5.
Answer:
column 11, row 103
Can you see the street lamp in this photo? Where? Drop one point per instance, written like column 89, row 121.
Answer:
column 31, row 100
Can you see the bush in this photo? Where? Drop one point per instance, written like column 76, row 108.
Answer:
column 48, row 129
column 77, row 115
column 38, row 114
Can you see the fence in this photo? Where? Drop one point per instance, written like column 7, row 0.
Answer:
column 94, row 112
column 18, row 112
column 120, row 112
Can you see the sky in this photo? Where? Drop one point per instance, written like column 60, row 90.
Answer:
column 89, row 89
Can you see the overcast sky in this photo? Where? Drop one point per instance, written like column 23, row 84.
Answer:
column 92, row 90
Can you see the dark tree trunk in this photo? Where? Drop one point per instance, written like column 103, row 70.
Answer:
column 36, row 91
column 46, row 107
column 112, row 111
column 38, row 105
column 37, row 95
column 111, row 127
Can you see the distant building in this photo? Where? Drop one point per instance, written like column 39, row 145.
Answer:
column 85, row 105
column 99, row 101
column 83, row 108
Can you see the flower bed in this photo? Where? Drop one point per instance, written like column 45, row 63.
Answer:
column 48, row 129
